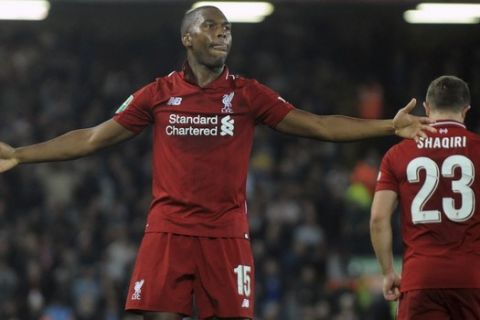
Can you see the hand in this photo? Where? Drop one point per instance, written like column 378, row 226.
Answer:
column 7, row 160
column 391, row 286
column 409, row 126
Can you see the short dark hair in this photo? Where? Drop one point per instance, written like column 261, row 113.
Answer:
column 448, row 93
column 189, row 17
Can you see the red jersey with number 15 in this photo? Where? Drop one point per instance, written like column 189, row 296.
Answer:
column 439, row 195
column 202, row 139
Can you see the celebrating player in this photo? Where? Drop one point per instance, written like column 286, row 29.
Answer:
column 196, row 240
column 434, row 181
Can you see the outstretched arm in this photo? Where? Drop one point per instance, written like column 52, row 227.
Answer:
column 384, row 203
column 71, row 145
column 342, row 128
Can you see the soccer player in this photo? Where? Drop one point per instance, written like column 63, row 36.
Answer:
column 434, row 181
column 196, row 243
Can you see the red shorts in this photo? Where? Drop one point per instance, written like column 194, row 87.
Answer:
column 440, row 304
column 173, row 270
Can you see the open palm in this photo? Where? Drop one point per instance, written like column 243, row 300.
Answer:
column 410, row 126
column 7, row 161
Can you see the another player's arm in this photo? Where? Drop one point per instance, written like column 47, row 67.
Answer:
column 342, row 128
column 383, row 206
column 71, row 145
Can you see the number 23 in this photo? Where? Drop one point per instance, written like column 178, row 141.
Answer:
column 432, row 177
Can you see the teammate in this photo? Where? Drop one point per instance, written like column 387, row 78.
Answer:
column 434, row 181
column 196, row 241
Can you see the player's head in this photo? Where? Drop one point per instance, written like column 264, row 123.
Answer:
column 206, row 34
column 448, row 94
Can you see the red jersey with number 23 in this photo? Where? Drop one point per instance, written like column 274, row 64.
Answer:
column 202, row 139
column 439, row 195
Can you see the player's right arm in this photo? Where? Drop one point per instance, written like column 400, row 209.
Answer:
column 71, row 145
column 383, row 206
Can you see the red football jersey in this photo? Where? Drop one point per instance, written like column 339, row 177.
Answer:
column 438, row 194
column 201, row 148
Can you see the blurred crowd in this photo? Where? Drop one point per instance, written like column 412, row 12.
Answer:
column 69, row 231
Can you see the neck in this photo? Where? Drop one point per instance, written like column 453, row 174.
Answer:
column 201, row 74
column 436, row 115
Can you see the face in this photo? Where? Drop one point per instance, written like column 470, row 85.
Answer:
column 209, row 38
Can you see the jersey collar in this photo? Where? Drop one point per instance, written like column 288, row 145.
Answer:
column 220, row 82
column 448, row 123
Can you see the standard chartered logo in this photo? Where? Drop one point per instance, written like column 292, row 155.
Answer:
column 200, row 125
column 227, row 126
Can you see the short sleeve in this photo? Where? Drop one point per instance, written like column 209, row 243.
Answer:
column 136, row 112
column 267, row 105
column 386, row 177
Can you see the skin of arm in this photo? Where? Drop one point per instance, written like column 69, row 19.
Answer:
column 342, row 128
column 71, row 145
column 383, row 206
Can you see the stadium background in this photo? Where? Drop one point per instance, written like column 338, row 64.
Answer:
column 69, row 231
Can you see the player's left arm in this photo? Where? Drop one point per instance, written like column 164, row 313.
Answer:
column 383, row 206
column 342, row 128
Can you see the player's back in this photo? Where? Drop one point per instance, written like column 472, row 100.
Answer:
column 439, row 195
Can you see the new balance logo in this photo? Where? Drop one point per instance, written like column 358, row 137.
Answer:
column 245, row 303
column 227, row 102
column 227, row 126
column 174, row 101
column 138, row 290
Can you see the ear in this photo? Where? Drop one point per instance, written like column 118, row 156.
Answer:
column 427, row 108
column 187, row 40
column 465, row 110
